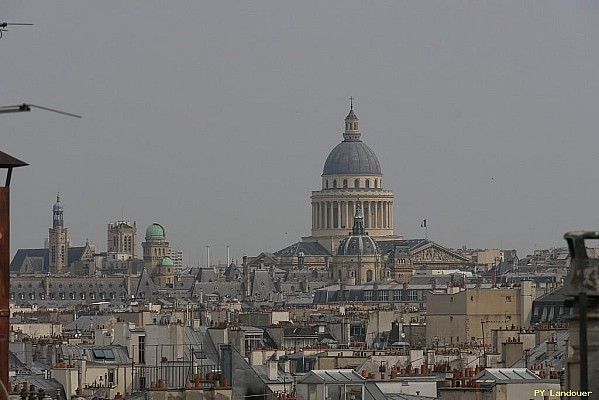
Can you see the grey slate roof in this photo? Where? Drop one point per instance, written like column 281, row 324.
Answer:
column 352, row 157
column 332, row 376
column 357, row 245
column 538, row 354
column 39, row 258
column 507, row 375
column 100, row 354
column 308, row 248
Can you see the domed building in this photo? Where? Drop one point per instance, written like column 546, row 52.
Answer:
column 351, row 171
column 164, row 274
column 155, row 247
column 358, row 259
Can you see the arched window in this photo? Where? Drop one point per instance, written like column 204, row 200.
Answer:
column 367, row 183
column 334, row 183
column 345, row 183
column 356, row 183
column 376, row 183
column 327, row 184
column 368, row 275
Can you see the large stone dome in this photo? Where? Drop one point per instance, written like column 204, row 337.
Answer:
column 352, row 157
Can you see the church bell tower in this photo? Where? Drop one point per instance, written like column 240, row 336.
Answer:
column 58, row 256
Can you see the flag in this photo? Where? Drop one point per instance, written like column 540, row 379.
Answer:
column 423, row 224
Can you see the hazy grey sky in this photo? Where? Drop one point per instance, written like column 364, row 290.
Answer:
column 215, row 118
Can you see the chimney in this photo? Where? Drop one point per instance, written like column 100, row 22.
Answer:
column 273, row 367
column 551, row 346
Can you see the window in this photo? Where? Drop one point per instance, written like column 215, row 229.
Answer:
column 451, row 318
column 368, row 295
column 384, row 295
column 508, row 298
column 367, row 183
column 103, row 354
column 334, row 183
column 141, row 353
column 345, row 184
column 376, row 183
column 327, row 184
column 356, row 183
column 110, row 377
column 368, row 275
column 397, row 295
column 72, row 295
column 413, row 295
column 31, row 296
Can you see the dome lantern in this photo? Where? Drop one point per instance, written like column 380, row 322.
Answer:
column 352, row 125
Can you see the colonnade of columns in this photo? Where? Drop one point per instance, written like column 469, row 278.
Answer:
column 340, row 214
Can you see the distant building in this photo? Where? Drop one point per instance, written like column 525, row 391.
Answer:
column 155, row 247
column 122, row 238
column 177, row 257
column 59, row 257
column 462, row 315
column 358, row 259
column 164, row 274
column 351, row 175
column 57, row 240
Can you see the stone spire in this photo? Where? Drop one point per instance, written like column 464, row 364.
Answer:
column 352, row 125
column 358, row 228
column 57, row 213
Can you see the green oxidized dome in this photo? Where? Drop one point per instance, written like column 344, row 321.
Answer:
column 155, row 231
column 167, row 262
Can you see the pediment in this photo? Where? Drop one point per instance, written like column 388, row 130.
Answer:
column 436, row 254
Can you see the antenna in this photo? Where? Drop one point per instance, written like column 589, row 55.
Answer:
column 27, row 107
column 3, row 26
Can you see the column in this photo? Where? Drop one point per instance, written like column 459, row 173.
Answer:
column 342, row 214
column 384, row 214
column 390, row 214
column 335, row 214
column 328, row 215
column 376, row 215
column 322, row 215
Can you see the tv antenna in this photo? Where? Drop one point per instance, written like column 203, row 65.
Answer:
column 4, row 25
column 27, row 107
